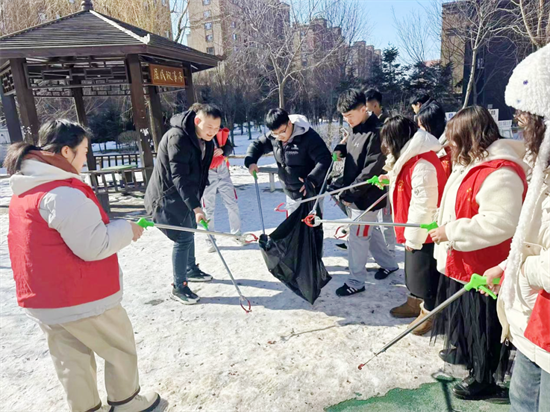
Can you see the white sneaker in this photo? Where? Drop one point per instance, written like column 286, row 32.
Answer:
column 210, row 247
column 140, row 403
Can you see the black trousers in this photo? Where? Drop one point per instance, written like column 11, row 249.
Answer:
column 421, row 275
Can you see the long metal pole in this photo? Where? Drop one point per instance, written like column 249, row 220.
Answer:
column 416, row 324
column 259, row 201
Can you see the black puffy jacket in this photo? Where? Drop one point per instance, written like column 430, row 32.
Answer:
column 306, row 156
column 363, row 160
column 180, row 174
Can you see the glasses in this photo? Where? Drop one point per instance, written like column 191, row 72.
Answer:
column 277, row 134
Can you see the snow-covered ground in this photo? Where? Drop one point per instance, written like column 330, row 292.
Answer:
column 284, row 356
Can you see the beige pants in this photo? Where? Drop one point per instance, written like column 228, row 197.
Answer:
column 72, row 347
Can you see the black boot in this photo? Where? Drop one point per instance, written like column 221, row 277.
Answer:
column 452, row 356
column 471, row 390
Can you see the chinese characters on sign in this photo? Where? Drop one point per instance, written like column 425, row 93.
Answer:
column 167, row 76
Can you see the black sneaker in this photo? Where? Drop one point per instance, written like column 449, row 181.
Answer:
column 184, row 295
column 384, row 273
column 471, row 390
column 197, row 275
column 346, row 290
column 341, row 246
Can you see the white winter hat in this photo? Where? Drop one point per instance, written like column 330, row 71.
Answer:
column 529, row 86
column 528, row 90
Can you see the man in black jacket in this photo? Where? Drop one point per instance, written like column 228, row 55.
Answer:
column 363, row 160
column 302, row 156
column 177, row 185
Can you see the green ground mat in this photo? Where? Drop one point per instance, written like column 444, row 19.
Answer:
column 429, row 397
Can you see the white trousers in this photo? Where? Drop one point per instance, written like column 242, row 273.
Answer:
column 362, row 241
column 220, row 182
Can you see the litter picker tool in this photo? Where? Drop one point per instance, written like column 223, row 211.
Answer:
column 246, row 237
column 332, row 192
column 477, row 282
column 324, row 185
column 259, row 200
column 345, row 228
column 314, row 221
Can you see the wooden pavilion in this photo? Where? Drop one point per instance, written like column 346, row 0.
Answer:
column 88, row 54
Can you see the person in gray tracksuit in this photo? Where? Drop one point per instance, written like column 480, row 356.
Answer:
column 219, row 181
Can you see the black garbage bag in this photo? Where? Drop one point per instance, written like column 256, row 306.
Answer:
column 293, row 255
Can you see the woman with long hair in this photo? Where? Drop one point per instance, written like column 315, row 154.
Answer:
column 524, row 299
column 477, row 218
column 417, row 180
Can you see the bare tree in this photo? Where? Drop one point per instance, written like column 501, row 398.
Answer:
column 532, row 21
column 180, row 19
column 151, row 15
column 414, row 35
column 293, row 38
column 468, row 27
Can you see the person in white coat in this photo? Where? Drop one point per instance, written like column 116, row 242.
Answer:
column 477, row 218
column 524, row 299
column 417, row 180
column 67, row 276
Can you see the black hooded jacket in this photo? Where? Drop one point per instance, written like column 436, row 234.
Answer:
column 363, row 160
column 180, row 174
column 306, row 156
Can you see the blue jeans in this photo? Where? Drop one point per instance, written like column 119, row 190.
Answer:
column 183, row 256
column 530, row 386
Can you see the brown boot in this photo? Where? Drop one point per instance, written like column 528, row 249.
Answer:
column 409, row 309
column 426, row 326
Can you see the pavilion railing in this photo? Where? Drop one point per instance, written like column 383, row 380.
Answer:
column 121, row 159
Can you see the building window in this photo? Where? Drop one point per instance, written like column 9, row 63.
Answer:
column 210, row 50
column 208, row 26
column 205, row 2
column 164, row 2
column 233, row 24
column 207, row 14
column 209, row 38
column 167, row 34
column 235, row 37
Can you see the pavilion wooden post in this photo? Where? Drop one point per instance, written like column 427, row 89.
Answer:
column 78, row 98
column 155, row 115
column 189, row 89
column 12, row 118
column 27, row 104
column 140, row 114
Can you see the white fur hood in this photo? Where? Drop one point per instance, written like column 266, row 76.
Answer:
column 421, row 142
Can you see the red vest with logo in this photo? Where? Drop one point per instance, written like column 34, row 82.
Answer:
column 402, row 193
column 538, row 327
column 446, row 161
column 462, row 265
column 221, row 140
column 47, row 273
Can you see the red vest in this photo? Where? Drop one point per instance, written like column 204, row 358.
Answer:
column 446, row 161
column 402, row 193
column 461, row 265
column 47, row 273
column 538, row 327
column 221, row 139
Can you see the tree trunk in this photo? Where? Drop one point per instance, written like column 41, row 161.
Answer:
column 249, row 131
column 472, row 78
column 282, row 95
column 232, row 135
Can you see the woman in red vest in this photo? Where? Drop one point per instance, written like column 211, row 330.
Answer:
column 524, row 299
column 417, row 180
column 477, row 218
column 67, row 276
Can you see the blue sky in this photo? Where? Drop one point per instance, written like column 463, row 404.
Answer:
column 380, row 16
column 381, row 26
